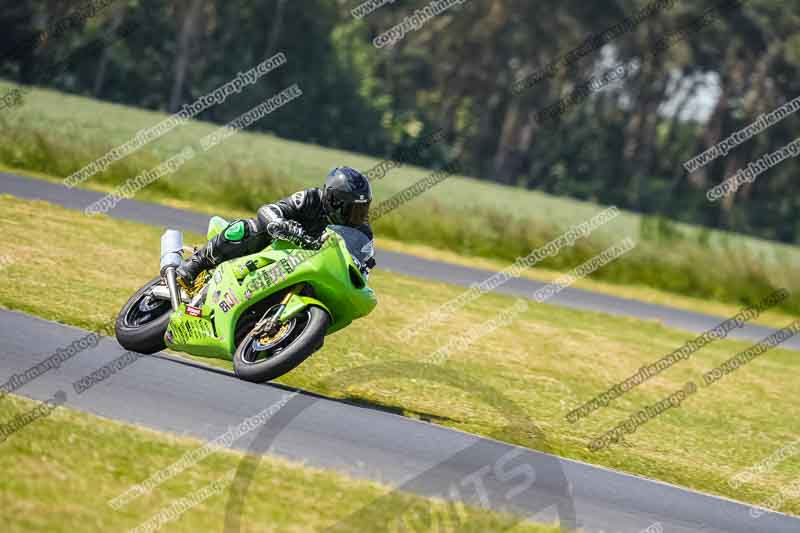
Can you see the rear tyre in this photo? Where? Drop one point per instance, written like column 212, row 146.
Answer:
column 143, row 320
column 260, row 360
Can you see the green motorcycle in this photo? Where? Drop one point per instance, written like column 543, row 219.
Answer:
column 267, row 311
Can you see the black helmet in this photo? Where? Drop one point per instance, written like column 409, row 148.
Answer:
column 346, row 197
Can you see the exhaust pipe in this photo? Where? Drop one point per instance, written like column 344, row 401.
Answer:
column 171, row 258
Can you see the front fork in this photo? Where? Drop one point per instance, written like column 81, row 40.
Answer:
column 270, row 322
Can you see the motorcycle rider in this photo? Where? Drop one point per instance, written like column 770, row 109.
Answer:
column 300, row 218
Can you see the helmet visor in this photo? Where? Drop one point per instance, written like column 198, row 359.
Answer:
column 357, row 214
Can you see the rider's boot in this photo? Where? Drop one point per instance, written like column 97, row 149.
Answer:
column 199, row 261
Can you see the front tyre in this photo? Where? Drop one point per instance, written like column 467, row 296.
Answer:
column 263, row 359
column 143, row 321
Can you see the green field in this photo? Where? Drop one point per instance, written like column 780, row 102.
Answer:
column 547, row 361
column 60, row 472
column 58, row 134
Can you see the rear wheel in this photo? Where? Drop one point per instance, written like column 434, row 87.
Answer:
column 143, row 320
column 263, row 358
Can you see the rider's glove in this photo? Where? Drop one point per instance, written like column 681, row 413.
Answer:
column 311, row 243
column 287, row 230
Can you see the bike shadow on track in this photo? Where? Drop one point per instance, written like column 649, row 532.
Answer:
column 486, row 473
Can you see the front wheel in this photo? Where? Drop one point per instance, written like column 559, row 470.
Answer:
column 143, row 320
column 265, row 358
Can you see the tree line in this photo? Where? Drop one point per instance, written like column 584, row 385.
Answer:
column 488, row 74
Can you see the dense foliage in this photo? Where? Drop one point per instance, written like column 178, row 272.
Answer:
column 623, row 144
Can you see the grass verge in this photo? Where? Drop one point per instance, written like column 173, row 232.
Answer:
column 772, row 318
column 547, row 361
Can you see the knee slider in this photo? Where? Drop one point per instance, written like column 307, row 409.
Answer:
column 236, row 231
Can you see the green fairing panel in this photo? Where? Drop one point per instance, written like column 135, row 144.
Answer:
column 216, row 226
column 297, row 303
column 195, row 335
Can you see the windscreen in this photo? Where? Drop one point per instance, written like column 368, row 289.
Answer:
column 358, row 244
